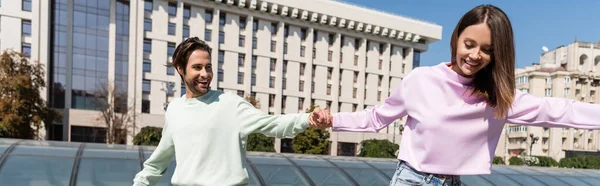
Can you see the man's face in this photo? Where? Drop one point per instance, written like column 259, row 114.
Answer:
column 198, row 74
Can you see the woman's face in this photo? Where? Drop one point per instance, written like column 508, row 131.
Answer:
column 473, row 50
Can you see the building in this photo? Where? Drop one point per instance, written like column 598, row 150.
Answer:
column 287, row 54
column 572, row 72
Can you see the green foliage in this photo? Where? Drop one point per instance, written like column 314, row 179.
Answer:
column 312, row 140
column 498, row 160
column 3, row 131
column 22, row 109
column 378, row 149
column 516, row 161
column 546, row 162
column 260, row 142
column 148, row 136
column 581, row 162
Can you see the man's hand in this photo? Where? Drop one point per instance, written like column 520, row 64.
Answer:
column 320, row 118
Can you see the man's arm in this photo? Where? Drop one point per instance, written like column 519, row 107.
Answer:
column 157, row 164
column 280, row 126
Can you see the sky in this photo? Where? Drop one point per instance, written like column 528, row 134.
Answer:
column 536, row 23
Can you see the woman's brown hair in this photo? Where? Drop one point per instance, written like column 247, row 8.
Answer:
column 496, row 81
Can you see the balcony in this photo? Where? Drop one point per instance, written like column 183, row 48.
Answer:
column 522, row 145
column 522, row 134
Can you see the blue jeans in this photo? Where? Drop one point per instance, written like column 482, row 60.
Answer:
column 406, row 175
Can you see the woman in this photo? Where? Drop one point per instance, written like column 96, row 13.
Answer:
column 456, row 110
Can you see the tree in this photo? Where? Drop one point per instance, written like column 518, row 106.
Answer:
column 378, row 149
column 22, row 109
column 311, row 140
column 149, row 136
column 516, row 161
column 546, row 162
column 498, row 160
column 258, row 141
column 116, row 114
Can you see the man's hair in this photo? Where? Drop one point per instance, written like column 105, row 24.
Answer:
column 184, row 50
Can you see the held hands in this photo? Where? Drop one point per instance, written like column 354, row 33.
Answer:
column 320, row 118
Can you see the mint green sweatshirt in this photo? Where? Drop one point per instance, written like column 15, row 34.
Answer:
column 208, row 136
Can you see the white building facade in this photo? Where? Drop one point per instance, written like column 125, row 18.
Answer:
column 287, row 54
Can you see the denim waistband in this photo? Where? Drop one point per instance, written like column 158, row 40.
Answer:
column 404, row 164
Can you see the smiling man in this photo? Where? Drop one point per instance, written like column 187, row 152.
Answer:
column 206, row 130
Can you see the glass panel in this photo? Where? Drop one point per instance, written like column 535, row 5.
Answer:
column 503, row 170
column 367, row 176
column 253, row 177
column 350, row 164
column 8, row 141
column 94, row 171
column 308, row 162
column 326, row 176
column 384, row 165
column 526, row 180
column 572, row 181
column 550, row 180
column 35, row 170
column 592, row 181
column 474, row 180
column 42, row 150
column 524, row 170
column 499, row 179
column 281, row 175
column 270, row 161
column 111, row 153
column 3, row 148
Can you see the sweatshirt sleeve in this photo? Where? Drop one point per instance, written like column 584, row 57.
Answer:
column 280, row 126
column 553, row 112
column 376, row 118
column 157, row 164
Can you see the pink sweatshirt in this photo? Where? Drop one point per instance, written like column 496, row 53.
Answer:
column 449, row 132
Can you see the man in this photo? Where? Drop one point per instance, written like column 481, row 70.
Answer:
column 207, row 130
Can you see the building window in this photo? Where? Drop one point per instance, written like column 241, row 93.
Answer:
column 380, row 63
column 273, row 28
column 314, row 53
column 379, row 80
column 254, row 43
column 26, row 49
column 548, row 92
column 146, row 86
column 147, row 24
column 147, row 45
column 330, row 56
column 207, row 34
column 271, row 100
column 567, row 90
column 240, row 79
column 303, row 34
column 355, row 77
column 241, row 58
column 285, row 62
column 328, row 89
column 272, row 82
column 170, row 71
column 341, row 57
column 272, row 65
column 186, row 32
column 254, row 62
column 354, row 107
column 148, row 6
column 242, row 23
column 255, row 25
column 283, row 101
column 26, row 5
column 273, row 45
column 170, row 49
column 253, row 80
column 221, row 37
column 220, row 75
column 26, row 28
column 300, row 103
column 240, row 93
column 416, row 59
column 242, row 41
column 329, row 72
column 354, row 92
column 284, row 83
column 312, row 87
column 302, row 69
column 567, row 80
column 220, row 59
column 147, row 65
column 331, row 39
column 187, row 12
column 172, row 9
column 222, row 18
column 145, row 106
column 208, row 16
column 284, row 48
column 378, row 95
column 355, row 60
column 301, row 86
column 285, row 31
column 302, row 51
column 171, row 29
